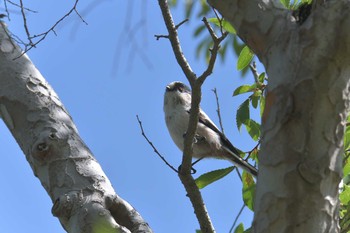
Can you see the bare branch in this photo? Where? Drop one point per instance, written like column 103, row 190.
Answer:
column 25, row 24
column 19, row 6
column 167, row 36
column 154, row 148
column 196, row 83
column 218, row 110
column 236, row 219
column 213, row 51
column 43, row 35
column 252, row 67
column 175, row 42
column 185, row 172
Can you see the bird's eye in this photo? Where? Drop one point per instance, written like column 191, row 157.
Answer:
column 181, row 89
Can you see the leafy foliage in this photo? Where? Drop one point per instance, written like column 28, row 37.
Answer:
column 212, row 176
column 294, row 4
column 244, row 58
column 344, row 190
column 248, row 190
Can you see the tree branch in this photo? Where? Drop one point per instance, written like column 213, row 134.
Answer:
column 154, row 148
column 196, row 83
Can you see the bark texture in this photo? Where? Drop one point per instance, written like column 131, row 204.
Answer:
column 84, row 199
column 300, row 163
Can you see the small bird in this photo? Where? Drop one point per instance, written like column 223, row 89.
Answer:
column 208, row 140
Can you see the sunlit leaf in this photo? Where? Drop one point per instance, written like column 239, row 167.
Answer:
column 262, row 105
column 255, row 98
column 261, row 77
column 244, row 89
column 243, row 114
column 225, row 25
column 244, row 58
column 239, row 228
column 253, row 129
column 212, row 176
column 248, row 190
column 344, row 196
column 285, row 3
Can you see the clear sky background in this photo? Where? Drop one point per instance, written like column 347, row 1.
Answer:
column 106, row 73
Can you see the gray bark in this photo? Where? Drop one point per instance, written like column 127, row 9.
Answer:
column 300, row 163
column 84, row 199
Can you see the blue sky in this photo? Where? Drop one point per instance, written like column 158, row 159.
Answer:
column 104, row 98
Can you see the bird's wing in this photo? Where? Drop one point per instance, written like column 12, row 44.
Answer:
column 227, row 145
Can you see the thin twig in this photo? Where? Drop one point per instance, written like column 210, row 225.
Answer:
column 25, row 24
column 154, row 148
column 175, row 42
column 252, row 67
column 236, row 219
column 43, row 35
column 219, row 18
column 251, row 151
column 7, row 10
column 167, row 36
column 214, row 51
column 218, row 110
column 19, row 6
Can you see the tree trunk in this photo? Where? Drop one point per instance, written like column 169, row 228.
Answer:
column 84, row 199
column 306, row 56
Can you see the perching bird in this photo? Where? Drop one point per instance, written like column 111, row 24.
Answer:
column 208, row 140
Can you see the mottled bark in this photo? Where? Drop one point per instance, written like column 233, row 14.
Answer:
column 300, row 163
column 84, row 199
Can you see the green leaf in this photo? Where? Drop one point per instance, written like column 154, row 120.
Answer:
column 253, row 129
column 225, row 25
column 285, row 3
column 346, row 168
column 248, row 190
column 242, row 114
column 262, row 105
column 255, row 98
column 254, row 154
column 244, row 58
column 344, row 196
column 244, row 89
column 261, row 77
column 248, row 230
column 239, row 228
column 198, row 231
column 212, row 176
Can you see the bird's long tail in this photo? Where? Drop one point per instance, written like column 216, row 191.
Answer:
column 239, row 162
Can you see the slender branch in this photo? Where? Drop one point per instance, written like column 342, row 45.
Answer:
column 167, row 36
column 175, row 42
column 19, row 6
column 252, row 67
column 236, row 219
column 25, row 23
column 185, row 172
column 154, row 148
column 43, row 35
column 214, row 51
column 218, row 110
